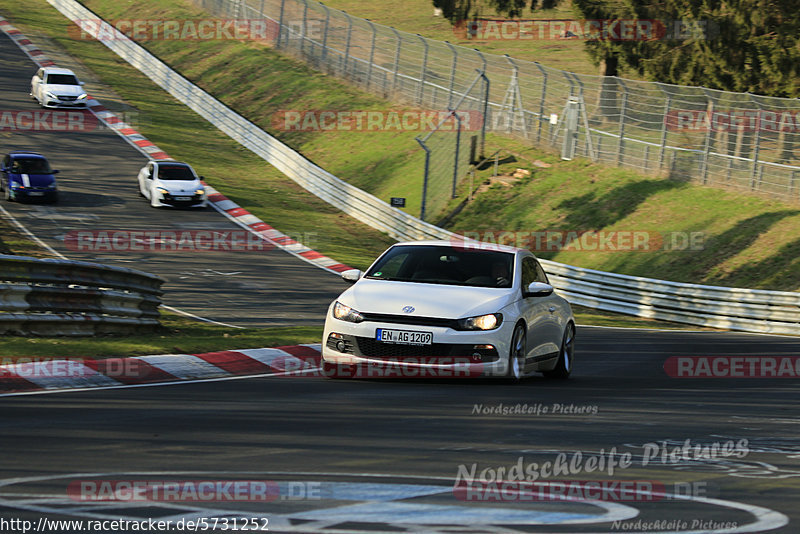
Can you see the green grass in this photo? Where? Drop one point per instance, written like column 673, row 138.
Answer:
column 416, row 16
column 178, row 335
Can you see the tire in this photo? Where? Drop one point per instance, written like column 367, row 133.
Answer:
column 516, row 354
column 566, row 357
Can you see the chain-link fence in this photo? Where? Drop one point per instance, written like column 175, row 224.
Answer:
column 735, row 140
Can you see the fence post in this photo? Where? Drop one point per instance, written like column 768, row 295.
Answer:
column 303, row 29
column 667, row 104
column 621, row 120
column 422, row 71
column 347, row 43
column 708, row 138
column 452, row 74
column 541, row 100
column 754, row 178
column 325, row 34
column 425, row 177
column 487, row 85
column 396, row 66
column 371, row 52
column 280, row 24
column 458, row 146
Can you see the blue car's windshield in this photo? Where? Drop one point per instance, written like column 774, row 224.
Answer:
column 30, row 166
column 445, row 265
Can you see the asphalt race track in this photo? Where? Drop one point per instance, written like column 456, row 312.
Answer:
column 382, row 455
column 99, row 191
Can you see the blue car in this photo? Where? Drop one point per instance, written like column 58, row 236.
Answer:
column 28, row 176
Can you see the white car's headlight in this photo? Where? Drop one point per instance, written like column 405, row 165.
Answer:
column 82, row 96
column 481, row 322
column 200, row 192
column 48, row 94
column 162, row 190
column 346, row 313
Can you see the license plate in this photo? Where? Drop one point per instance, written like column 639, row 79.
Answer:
column 36, row 194
column 183, row 198
column 405, row 337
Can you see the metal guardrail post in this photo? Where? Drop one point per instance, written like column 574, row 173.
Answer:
column 422, row 70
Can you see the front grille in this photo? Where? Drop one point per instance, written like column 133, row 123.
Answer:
column 66, row 98
column 406, row 319
column 372, row 348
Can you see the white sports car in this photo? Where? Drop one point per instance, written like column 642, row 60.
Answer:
column 441, row 308
column 171, row 183
column 54, row 88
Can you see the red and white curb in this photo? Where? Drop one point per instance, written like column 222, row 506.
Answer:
column 28, row 376
column 218, row 201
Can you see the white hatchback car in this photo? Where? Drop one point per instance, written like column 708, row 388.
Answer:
column 440, row 307
column 172, row 183
column 54, row 88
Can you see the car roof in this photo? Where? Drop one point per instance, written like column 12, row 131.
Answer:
column 171, row 162
column 26, row 153
column 460, row 241
column 58, row 70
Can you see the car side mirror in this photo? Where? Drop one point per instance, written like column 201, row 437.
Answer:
column 351, row 275
column 81, row 83
column 56, row 171
column 538, row 289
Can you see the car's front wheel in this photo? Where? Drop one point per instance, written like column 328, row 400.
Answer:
column 516, row 354
column 565, row 356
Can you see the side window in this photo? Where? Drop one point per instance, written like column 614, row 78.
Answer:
column 528, row 271
column 540, row 274
column 150, row 170
column 40, row 73
column 6, row 162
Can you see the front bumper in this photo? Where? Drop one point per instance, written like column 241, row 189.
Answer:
column 38, row 195
column 55, row 103
column 186, row 201
column 453, row 353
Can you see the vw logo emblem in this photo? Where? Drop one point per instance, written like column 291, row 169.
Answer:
column 408, row 309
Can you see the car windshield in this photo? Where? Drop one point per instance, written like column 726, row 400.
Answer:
column 174, row 172
column 62, row 79
column 445, row 265
column 30, row 166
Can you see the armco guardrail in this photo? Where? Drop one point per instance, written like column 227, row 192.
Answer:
column 736, row 309
column 64, row 297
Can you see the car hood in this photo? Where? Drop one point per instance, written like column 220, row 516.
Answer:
column 34, row 180
column 67, row 90
column 181, row 186
column 428, row 300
